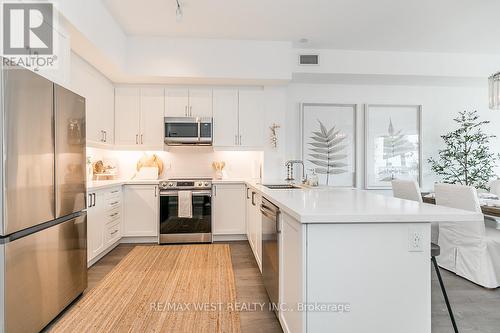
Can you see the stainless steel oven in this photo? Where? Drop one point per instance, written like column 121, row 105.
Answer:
column 188, row 131
column 175, row 229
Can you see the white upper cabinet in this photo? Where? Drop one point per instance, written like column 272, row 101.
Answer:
column 238, row 119
column 200, row 103
column 225, row 117
column 184, row 102
column 251, row 130
column 99, row 101
column 139, row 117
column 127, row 115
column 237, row 115
column 177, row 102
column 151, row 123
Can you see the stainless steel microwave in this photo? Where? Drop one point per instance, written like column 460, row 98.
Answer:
column 188, row 131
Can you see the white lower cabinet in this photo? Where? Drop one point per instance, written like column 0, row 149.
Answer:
column 140, row 214
column 228, row 213
column 104, row 221
column 292, row 278
column 254, row 223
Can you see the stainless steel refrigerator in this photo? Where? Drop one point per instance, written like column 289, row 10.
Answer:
column 43, row 221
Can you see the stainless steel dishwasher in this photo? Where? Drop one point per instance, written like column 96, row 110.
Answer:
column 270, row 249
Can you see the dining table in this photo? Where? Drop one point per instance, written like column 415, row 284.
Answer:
column 486, row 206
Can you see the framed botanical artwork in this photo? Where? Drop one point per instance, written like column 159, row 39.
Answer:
column 329, row 142
column 393, row 147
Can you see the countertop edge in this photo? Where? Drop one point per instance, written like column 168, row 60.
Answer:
column 312, row 219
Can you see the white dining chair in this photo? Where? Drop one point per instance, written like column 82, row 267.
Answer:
column 495, row 187
column 409, row 190
column 468, row 248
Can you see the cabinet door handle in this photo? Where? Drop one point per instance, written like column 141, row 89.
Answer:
column 105, row 136
column 114, row 232
column 142, row 139
column 236, row 139
column 113, row 215
column 156, row 191
column 253, row 198
column 215, row 191
column 89, row 202
column 186, row 110
column 190, row 111
column 93, row 200
column 113, row 203
column 240, row 139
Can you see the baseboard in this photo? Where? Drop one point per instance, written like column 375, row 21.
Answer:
column 142, row 239
column 228, row 238
column 102, row 254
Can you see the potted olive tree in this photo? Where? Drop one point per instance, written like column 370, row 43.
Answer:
column 466, row 159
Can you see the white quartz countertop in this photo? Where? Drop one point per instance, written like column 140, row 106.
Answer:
column 334, row 205
column 102, row 184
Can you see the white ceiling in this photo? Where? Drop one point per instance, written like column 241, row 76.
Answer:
column 465, row 26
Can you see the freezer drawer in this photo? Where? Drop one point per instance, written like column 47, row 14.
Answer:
column 44, row 272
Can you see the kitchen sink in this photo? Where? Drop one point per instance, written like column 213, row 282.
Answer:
column 282, row 186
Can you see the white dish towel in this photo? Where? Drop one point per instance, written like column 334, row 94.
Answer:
column 185, row 208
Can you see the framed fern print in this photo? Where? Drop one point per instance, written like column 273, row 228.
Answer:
column 329, row 142
column 392, row 144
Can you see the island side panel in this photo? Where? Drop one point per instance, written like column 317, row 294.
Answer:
column 368, row 266
column 292, row 274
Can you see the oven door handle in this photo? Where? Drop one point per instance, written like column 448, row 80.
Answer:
column 176, row 193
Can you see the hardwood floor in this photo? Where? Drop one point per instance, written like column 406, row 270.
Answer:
column 476, row 309
column 250, row 289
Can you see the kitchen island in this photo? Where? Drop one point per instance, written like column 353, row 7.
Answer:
column 354, row 261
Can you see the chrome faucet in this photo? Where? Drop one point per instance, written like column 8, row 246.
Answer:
column 289, row 170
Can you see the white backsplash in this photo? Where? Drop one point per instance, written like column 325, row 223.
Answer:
column 186, row 161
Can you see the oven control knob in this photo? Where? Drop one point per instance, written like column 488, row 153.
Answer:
column 170, row 184
column 206, row 184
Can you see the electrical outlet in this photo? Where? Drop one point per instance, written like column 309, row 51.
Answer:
column 415, row 239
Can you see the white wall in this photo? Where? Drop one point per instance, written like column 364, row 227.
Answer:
column 92, row 19
column 275, row 108
column 440, row 105
column 399, row 63
column 237, row 60
column 185, row 162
